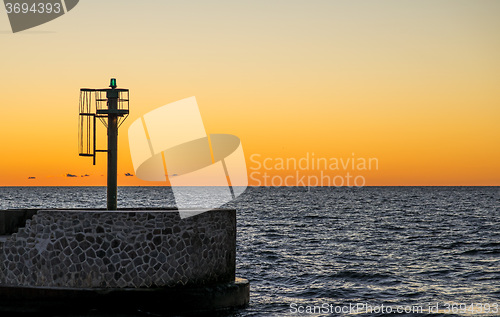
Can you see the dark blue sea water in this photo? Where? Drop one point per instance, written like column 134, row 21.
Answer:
column 328, row 249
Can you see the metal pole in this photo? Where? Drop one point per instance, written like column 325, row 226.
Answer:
column 112, row 96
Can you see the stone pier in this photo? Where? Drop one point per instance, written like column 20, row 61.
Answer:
column 66, row 255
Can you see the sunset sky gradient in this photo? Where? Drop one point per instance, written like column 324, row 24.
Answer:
column 415, row 84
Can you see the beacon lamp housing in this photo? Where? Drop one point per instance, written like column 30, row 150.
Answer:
column 113, row 83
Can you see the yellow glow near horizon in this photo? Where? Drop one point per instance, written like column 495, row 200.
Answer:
column 413, row 84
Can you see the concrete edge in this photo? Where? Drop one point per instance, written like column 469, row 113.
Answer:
column 192, row 299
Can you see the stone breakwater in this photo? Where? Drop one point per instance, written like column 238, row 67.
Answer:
column 120, row 249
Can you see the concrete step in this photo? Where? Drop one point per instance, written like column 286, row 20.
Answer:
column 4, row 238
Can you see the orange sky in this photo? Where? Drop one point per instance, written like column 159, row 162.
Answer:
column 412, row 84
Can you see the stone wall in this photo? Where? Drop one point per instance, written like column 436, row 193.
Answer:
column 120, row 249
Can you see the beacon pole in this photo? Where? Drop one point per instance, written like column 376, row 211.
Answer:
column 111, row 104
column 112, row 96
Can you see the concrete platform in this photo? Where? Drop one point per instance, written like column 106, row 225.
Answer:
column 194, row 300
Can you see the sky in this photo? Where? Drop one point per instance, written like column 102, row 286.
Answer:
column 412, row 85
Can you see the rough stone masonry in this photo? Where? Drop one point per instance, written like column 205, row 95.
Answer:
column 120, row 249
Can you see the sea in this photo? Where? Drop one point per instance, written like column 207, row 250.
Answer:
column 326, row 251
